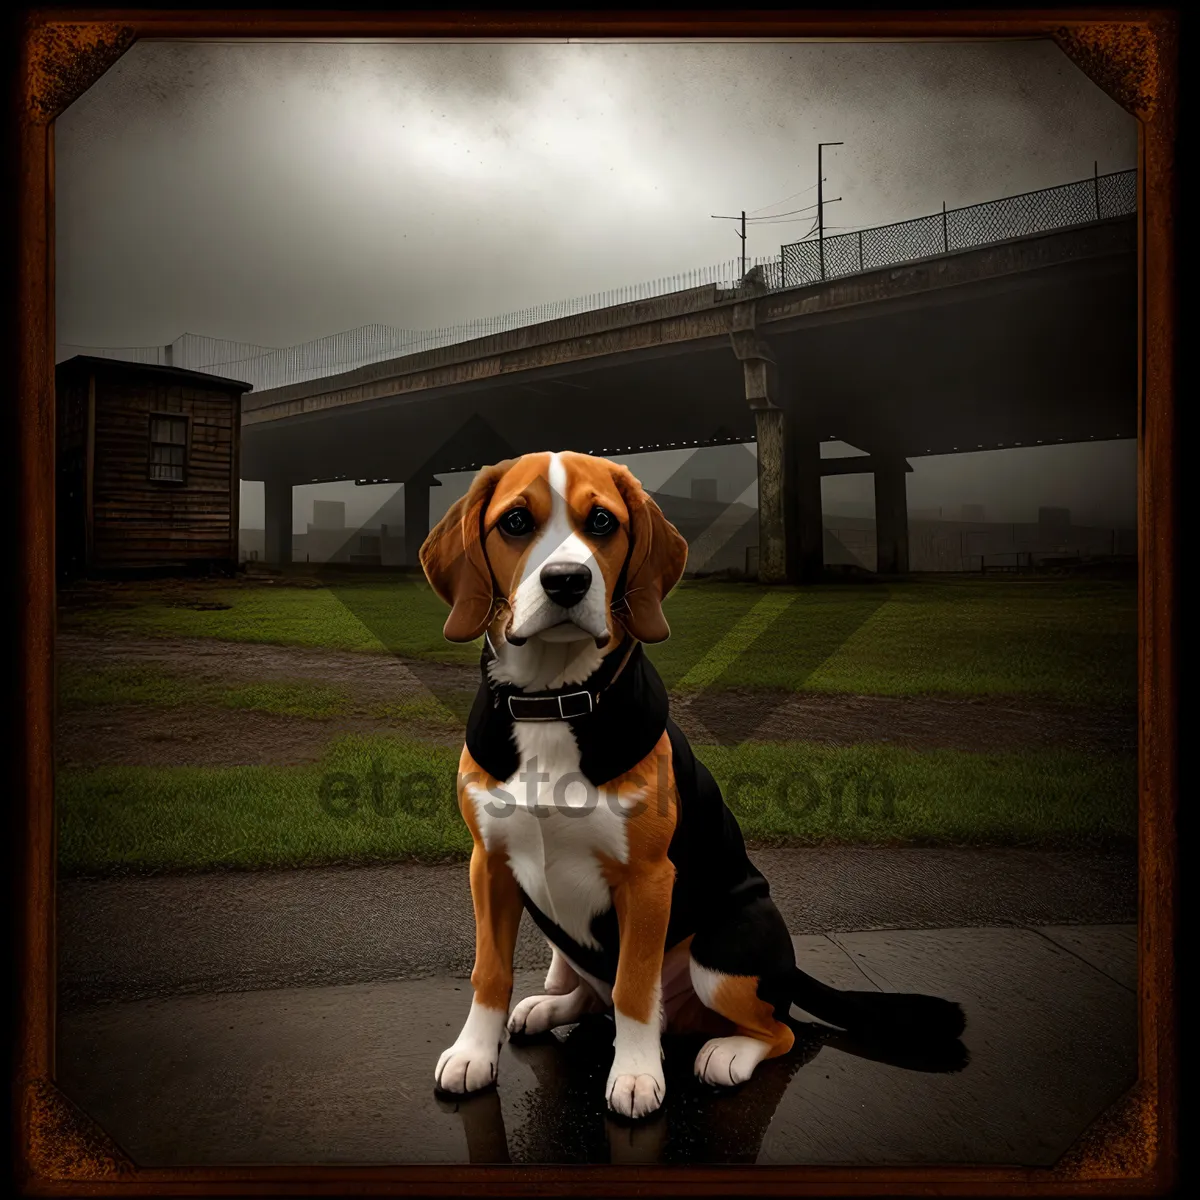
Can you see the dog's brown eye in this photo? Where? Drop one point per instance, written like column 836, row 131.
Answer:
column 516, row 522
column 600, row 522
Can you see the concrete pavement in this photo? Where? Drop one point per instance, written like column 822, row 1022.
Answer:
column 343, row 1074
column 129, row 939
column 296, row 1017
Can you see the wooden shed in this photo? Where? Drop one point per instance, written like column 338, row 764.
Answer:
column 148, row 467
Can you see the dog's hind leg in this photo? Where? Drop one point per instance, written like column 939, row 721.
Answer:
column 729, row 960
column 567, row 998
column 561, row 977
column 725, row 1061
column 537, row 1014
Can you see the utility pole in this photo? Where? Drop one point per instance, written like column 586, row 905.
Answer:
column 821, row 203
column 742, row 235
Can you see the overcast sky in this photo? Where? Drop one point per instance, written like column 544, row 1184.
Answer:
column 274, row 193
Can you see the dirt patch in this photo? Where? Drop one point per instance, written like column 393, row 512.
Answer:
column 190, row 735
column 367, row 678
column 143, row 736
column 976, row 724
column 138, row 734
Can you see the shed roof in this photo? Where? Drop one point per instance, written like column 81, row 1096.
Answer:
column 153, row 369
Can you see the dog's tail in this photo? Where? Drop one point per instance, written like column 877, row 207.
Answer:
column 878, row 1016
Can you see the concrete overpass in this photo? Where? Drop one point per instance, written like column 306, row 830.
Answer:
column 1027, row 341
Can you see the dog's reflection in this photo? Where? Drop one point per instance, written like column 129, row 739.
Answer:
column 563, row 1118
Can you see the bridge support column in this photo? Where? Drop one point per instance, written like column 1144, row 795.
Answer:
column 791, row 537
column 790, row 534
column 416, row 516
column 771, row 438
column 891, row 516
column 277, row 520
column 802, row 491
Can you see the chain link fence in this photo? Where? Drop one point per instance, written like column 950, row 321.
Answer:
column 1077, row 203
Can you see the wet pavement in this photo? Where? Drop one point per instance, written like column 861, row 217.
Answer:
column 137, row 938
column 344, row 1073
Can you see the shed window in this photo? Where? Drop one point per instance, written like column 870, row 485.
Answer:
column 168, row 448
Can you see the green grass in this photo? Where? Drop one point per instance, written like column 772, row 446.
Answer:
column 136, row 819
column 396, row 613
column 288, row 699
column 1072, row 641
column 427, row 709
column 796, row 792
column 86, row 687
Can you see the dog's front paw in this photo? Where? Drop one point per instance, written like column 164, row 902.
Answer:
column 467, row 1066
column 635, row 1095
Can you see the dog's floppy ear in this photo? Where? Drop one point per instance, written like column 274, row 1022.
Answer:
column 454, row 562
column 656, row 561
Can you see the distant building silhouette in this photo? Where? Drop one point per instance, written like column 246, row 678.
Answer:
column 1054, row 518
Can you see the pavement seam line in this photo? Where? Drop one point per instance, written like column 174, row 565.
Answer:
column 1079, row 957
column 835, row 940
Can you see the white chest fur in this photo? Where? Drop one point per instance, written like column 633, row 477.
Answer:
column 554, row 825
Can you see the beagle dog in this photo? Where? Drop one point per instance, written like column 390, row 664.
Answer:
column 587, row 808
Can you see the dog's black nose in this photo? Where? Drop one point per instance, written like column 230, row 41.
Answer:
column 566, row 583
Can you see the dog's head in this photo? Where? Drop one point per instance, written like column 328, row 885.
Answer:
column 567, row 545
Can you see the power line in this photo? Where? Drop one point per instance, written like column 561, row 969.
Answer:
column 803, row 191
column 791, row 221
column 811, row 230
column 784, row 218
column 772, row 216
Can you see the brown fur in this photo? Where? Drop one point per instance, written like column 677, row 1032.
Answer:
column 737, row 999
column 641, row 886
column 473, row 565
column 496, row 899
column 656, row 565
column 453, row 559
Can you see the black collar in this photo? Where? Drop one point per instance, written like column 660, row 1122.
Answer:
column 617, row 715
column 560, row 704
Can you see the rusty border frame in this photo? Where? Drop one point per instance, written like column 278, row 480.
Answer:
column 1133, row 55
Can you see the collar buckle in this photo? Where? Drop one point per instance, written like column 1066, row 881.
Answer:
column 582, row 712
column 562, row 707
